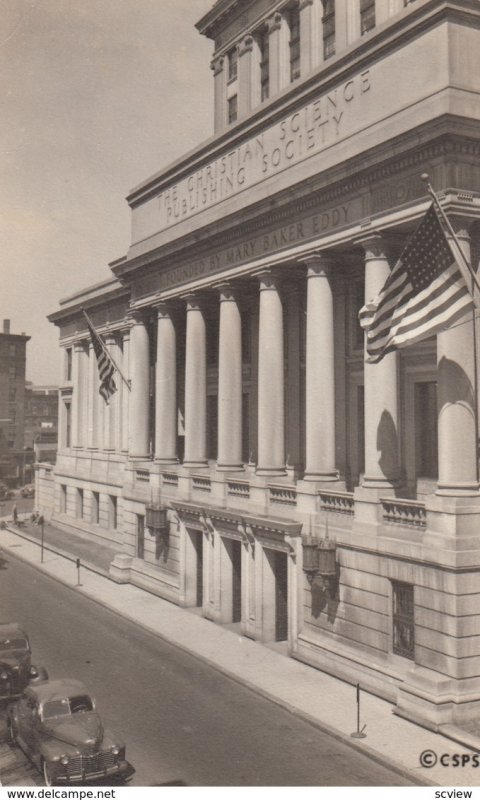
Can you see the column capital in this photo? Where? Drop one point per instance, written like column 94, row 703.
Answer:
column 163, row 309
column 269, row 280
column 246, row 45
column 319, row 264
column 193, row 301
column 110, row 337
column 136, row 316
column 79, row 345
column 374, row 244
column 275, row 22
column 227, row 291
column 217, row 64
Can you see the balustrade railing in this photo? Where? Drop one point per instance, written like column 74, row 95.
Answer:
column 283, row 495
column 336, row 502
column 238, row 489
column 404, row 512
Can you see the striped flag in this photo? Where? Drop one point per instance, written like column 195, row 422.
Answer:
column 105, row 365
column 425, row 293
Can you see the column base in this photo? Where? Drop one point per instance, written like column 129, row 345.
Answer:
column 458, row 489
column 326, row 477
column 380, row 484
column 145, row 457
column 230, row 467
column 165, row 461
column 195, row 464
column 271, row 471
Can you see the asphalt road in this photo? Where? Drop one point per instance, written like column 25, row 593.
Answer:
column 184, row 723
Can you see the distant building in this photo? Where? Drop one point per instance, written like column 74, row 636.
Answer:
column 41, row 426
column 12, row 404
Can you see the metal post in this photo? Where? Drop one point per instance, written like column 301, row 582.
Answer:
column 78, row 572
column 41, row 541
column 358, row 734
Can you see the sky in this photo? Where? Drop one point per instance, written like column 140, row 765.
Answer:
column 96, row 96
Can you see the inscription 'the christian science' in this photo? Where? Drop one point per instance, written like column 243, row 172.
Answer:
column 303, row 133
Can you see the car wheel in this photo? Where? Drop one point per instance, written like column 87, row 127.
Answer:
column 47, row 774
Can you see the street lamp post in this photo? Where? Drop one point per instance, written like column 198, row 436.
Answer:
column 41, row 522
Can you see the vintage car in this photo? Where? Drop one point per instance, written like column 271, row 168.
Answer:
column 58, row 728
column 16, row 669
column 28, row 490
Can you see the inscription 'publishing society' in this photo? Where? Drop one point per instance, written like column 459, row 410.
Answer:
column 289, row 141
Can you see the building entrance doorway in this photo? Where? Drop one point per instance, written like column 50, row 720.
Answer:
column 236, row 556
column 196, row 538
column 275, row 603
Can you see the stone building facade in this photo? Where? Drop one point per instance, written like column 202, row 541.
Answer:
column 252, row 420
column 13, row 349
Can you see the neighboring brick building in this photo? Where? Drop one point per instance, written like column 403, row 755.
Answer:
column 12, row 404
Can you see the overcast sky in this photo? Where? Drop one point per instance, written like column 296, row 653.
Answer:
column 96, row 96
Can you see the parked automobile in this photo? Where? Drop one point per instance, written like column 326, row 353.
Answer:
column 5, row 492
column 58, row 727
column 16, row 669
column 28, row 490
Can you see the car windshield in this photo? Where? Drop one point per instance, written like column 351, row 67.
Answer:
column 13, row 644
column 67, row 706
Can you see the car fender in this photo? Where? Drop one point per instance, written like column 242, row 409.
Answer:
column 42, row 675
column 111, row 740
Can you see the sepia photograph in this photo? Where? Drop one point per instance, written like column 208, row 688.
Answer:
column 239, row 396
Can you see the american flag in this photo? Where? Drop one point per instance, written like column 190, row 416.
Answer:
column 106, row 368
column 425, row 293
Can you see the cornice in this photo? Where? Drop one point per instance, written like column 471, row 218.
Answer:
column 363, row 174
column 361, row 55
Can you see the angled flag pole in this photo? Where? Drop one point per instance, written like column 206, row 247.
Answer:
column 468, row 272
column 105, row 350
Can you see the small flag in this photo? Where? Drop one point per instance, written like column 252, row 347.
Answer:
column 425, row 293
column 106, row 368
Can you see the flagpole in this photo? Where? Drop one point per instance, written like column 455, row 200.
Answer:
column 107, row 353
column 474, row 283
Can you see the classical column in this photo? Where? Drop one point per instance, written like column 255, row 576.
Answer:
column 218, row 67
column 166, row 388
column 381, row 394
column 248, row 75
column 320, row 372
column 311, row 52
column 229, row 382
column 125, row 390
column 195, row 386
column 111, row 408
column 457, row 427
column 292, row 378
column 279, row 54
column 139, row 443
column 78, row 395
column 271, row 414
column 93, row 397
column 347, row 23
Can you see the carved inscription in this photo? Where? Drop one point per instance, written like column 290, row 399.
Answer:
column 250, row 249
column 307, row 131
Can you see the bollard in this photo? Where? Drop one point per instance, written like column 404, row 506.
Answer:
column 78, row 572
column 358, row 734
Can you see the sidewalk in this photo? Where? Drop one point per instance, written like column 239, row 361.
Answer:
column 320, row 698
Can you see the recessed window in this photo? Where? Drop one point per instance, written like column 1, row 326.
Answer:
column 68, row 424
column 294, row 25
column 426, row 430
column 367, row 15
column 140, row 536
column 63, row 499
column 232, row 108
column 328, row 21
column 264, row 47
column 95, row 508
column 12, row 350
column 113, row 512
column 68, row 364
column 233, row 64
column 79, row 503
column 403, row 619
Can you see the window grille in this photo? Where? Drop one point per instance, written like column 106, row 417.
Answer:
column 232, row 108
column 294, row 25
column 367, row 15
column 328, row 21
column 232, row 64
column 264, row 46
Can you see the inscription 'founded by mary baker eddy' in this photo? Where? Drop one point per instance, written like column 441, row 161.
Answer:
column 308, row 130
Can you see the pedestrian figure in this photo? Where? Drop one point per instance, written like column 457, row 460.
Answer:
column 40, row 519
column 15, row 513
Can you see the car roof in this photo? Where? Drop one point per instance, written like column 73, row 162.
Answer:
column 11, row 629
column 56, row 689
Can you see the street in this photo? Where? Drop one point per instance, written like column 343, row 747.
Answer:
column 184, row 723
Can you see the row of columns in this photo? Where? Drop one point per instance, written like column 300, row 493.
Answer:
column 320, row 388
column 456, row 381
column 311, row 12
column 94, row 424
